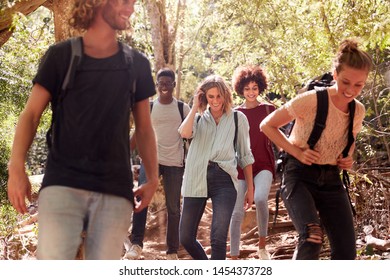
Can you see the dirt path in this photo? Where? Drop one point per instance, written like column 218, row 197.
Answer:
column 281, row 239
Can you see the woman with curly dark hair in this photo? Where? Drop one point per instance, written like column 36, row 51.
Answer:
column 249, row 82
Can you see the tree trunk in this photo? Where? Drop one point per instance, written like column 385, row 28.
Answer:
column 159, row 30
column 327, row 28
column 163, row 33
column 4, row 36
column 181, row 56
column 62, row 12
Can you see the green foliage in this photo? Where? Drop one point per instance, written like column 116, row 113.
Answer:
column 141, row 36
column 4, row 156
column 19, row 59
column 8, row 220
column 293, row 40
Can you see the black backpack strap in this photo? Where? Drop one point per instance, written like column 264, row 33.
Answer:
column 75, row 59
column 347, row 184
column 351, row 139
column 129, row 54
column 151, row 106
column 277, row 198
column 180, row 105
column 320, row 120
column 236, row 130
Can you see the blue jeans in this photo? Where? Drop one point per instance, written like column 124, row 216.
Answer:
column 223, row 195
column 172, row 180
column 315, row 195
column 64, row 213
column 262, row 182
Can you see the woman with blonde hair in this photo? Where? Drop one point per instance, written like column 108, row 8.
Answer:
column 211, row 168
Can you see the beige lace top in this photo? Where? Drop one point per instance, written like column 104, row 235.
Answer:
column 333, row 139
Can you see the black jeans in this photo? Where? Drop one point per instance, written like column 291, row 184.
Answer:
column 315, row 195
column 172, row 179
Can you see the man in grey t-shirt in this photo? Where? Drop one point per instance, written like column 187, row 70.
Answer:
column 166, row 116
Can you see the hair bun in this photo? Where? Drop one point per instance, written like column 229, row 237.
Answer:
column 350, row 55
column 348, row 45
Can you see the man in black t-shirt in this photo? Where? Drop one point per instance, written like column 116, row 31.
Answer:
column 87, row 184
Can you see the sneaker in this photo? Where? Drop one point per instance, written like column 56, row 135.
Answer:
column 134, row 253
column 263, row 254
column 172, row 256
column 127, row 244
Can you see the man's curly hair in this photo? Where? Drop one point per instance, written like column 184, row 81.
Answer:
column 243, row 75
column 84, row 12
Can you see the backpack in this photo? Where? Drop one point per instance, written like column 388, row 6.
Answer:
column 319, row 126
column 75, row 60
column 320, row 82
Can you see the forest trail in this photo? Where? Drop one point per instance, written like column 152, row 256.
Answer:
column 280, row 241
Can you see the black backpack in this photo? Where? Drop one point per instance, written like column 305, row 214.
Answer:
column 75, row 61
column 321, row 82
column 319, row 126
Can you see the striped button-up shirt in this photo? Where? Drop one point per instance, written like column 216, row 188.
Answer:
column 211, row 142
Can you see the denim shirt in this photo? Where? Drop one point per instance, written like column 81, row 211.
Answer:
column 212, row 142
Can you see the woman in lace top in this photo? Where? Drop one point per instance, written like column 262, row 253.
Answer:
column 312, row 190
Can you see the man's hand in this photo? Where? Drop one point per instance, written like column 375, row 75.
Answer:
column 19, row 187
column 143, row 195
